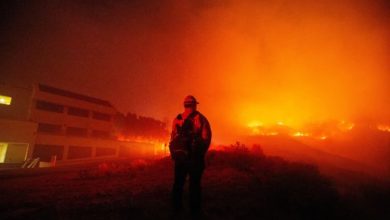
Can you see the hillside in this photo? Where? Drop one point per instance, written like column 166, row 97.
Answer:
column 237, row 184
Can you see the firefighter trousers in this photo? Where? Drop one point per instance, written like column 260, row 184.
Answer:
column 194, row 170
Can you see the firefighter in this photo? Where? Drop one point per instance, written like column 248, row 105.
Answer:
column 190, row 140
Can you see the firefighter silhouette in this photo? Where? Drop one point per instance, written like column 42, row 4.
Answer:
column 190, row 140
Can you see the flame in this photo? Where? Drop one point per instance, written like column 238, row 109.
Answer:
column 255, row 124
column 383, row 127
column 323, row 137
column 319, row 131
column 160, row 147
column 280, row 123
column 346, row 126
column 300, row 134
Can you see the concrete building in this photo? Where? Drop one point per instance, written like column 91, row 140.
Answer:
column 46, row 122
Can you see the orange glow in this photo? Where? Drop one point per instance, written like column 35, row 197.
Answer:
column 300, row 134
column 307, row 70
column 323, row 137
column 345, row 126
column 272, row 61
column 383, row 127
column 319, row 131
column 298, row 67
column 160, row 147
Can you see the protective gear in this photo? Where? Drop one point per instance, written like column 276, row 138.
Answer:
column 195, row 172
column 181, row 145
column 190, row 100
column 193, row 166
column 198, row 130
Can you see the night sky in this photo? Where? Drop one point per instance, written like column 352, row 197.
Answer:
column 295, row 61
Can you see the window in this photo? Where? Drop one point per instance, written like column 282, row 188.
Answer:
column 101, row 116
column 49, row 128
column 100, row 134
column 78, row 112
column 48, row 106
column 76, row 131
column 76, row 152
column 3, row 151
column 45, row 152
column 16, row 153
column 5, row 100
column 105, row 151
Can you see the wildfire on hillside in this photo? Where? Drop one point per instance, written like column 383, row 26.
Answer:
column 319, row 131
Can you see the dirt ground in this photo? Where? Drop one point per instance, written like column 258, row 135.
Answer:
column 236, row 185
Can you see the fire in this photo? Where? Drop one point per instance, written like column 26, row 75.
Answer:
column 345, row 126
column 255, row 126
column 300, row 134
column 323, row 137
column 319, row 131
column 280, row 123
column 160, row 147
column 383, row 127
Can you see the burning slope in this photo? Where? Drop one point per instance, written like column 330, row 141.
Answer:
column 354, row 146
column 304, row 63
column 319, row 130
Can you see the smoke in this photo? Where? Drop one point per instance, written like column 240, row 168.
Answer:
column 290, row 61
column 295, row 62
column 282, row 61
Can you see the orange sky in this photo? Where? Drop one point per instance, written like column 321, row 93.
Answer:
column 291, row 61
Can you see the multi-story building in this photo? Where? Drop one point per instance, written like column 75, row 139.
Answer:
column 46, row 122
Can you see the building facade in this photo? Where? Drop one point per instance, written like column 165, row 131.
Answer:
column 47, row 122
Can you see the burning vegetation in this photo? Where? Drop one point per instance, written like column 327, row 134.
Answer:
column 319, row 131
column 133, row 127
